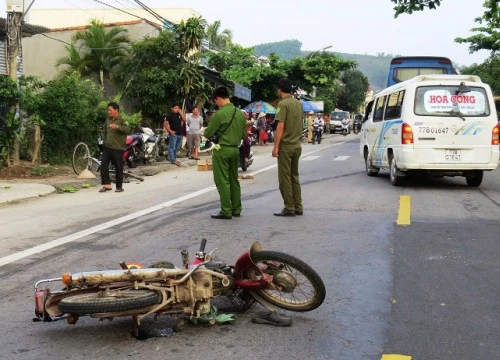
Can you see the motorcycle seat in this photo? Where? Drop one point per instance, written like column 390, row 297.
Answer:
column 214, row 264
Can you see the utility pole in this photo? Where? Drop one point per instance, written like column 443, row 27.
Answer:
column 15, row 17
column 14, row 35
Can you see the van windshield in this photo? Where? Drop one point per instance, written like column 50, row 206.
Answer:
column 338, row 115
column 447, row 101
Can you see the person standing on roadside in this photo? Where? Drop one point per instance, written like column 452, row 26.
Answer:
column 287, row 149
column 194, row 122
column 229, row 125
column 310, row 126
column 114, row 135
column 173, row 124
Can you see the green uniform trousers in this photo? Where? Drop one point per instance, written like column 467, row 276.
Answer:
column 288, row 176
column 225, row 168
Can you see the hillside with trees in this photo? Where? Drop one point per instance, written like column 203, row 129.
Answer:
column 375, row 67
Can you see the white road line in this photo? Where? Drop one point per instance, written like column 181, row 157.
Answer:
column 310, row 158
column 341, row 158
column 78, row 235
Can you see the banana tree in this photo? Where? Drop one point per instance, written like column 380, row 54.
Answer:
column 191, row 34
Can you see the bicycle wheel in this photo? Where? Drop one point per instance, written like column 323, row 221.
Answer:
column 81, row 158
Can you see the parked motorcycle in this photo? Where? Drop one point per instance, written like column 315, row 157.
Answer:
column 274, row 279
column 317, row 134
column 133, row 153
column 154, row 147
column 246, row 158
column 345, row 127
column 357, row 126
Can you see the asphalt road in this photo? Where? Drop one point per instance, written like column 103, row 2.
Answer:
column 429, row 290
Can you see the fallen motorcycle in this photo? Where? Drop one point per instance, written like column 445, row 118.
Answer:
column 273, row 279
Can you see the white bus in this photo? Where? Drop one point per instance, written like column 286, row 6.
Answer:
column 443, row 125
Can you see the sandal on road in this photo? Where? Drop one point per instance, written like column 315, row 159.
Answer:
column 272, row 318
column 104, row 189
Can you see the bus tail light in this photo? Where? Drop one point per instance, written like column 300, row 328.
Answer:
column 406, row 134
column 494, row 135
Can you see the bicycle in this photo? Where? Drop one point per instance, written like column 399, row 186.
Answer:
column 83, row 160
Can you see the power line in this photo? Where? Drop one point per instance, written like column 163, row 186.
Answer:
column 115, row 8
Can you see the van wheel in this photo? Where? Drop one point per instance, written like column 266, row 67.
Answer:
column 396, row 180
column 370, row 170
column 475, row 178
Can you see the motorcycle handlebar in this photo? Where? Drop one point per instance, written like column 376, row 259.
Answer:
column 203, row 244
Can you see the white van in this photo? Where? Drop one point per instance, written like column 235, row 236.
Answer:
column 443, row 125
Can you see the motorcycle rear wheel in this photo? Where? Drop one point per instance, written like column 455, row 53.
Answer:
column 297, row 286
column 108, row 302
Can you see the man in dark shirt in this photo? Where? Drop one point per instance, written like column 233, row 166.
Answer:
column 173, row 124
column 114, row 134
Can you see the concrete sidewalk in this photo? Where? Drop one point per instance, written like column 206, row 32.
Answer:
column 10, row 192
column 13, row 191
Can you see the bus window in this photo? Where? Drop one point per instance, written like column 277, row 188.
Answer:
column 407, row 67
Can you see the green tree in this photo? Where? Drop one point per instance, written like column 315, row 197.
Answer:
column 97, row 52
column 307, row 74
column 353, row 93
column 218, row 39
column 487, row 35
column 488, row 71
column 409, row 6
column 69, row 110
column 11, row 132
column 151, row 76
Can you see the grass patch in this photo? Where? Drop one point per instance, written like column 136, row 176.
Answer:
column 43, row 171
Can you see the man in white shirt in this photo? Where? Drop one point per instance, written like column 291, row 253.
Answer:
column 194, row 123
column 319, row 121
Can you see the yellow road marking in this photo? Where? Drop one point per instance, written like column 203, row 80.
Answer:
column 395, row 357
column 404, row 210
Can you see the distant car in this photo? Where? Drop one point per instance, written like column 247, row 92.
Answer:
column 336, row 118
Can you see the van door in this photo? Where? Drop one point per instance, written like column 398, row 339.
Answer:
column 365, row 125
column 453, row 124
column 375, row 138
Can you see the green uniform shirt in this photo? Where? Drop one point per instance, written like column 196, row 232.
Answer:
column 290, row 113
column 233, row 134
column 114, row 138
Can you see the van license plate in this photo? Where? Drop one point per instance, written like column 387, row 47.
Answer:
column 453, row 154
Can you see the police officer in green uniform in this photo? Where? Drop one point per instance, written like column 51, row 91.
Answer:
column 287, row 149
column 230, row 126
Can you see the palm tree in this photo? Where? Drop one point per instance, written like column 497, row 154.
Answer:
column 96, row 51
column 219, row 39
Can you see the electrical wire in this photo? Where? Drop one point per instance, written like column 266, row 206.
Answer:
column 115, row 8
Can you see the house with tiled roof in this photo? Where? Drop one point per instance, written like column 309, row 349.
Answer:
column 41, row 51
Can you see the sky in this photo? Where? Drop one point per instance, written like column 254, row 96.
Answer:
column 348, row 26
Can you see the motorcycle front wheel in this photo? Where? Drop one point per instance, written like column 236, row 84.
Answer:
column 295, row 286
column 108, row 301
